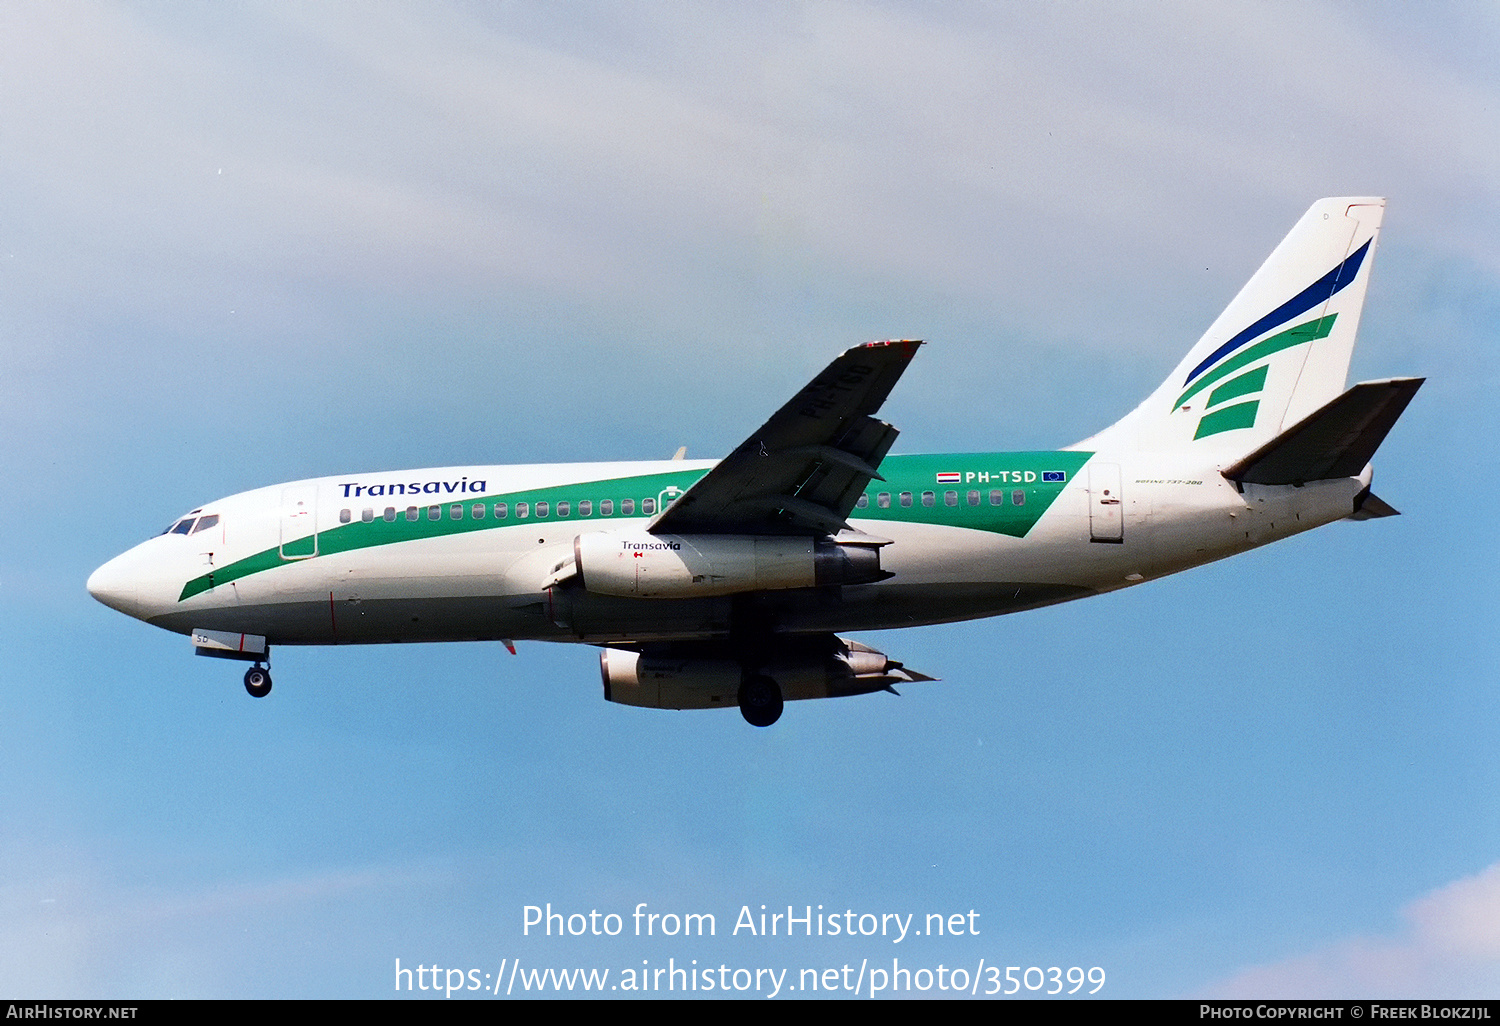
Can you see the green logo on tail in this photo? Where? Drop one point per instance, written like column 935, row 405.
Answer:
column 1219, row 417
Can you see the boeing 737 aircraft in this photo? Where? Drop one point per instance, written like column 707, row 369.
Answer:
column 709, row 584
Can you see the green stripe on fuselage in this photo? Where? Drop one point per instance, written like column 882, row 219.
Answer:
column 1014, row 475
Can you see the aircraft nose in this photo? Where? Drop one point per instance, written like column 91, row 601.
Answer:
column 117, row 585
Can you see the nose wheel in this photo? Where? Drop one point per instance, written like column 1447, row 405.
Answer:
column 258, row 681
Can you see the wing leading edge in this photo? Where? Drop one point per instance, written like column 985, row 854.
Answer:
column 802, row 472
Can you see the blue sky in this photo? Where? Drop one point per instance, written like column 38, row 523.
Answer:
column 254, row 244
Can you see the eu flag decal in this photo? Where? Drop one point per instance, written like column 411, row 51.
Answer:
column 1058, row 476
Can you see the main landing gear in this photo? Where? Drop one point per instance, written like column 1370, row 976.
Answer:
column 258, row 681
column 760, row 701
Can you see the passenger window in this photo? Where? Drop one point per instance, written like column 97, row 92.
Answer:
column 368, row 516
column 906, row 498
column 523, row 510
column 883, row 500
column 204, row 523
column 434, row 512
column 928, row 498
column 1018, row 498
column 542, row 509
column 997, row 497
column 606, row 507
column 562, row 509
column 390, row 514
column 585, row 507
column 477, row 512
column 345, row 516
column 502, row 510
column 864, row 502
column 950, row 498
column 411, row 513
column 627, row 507
column 456, row 511
column 974, row 498
column 648, row 506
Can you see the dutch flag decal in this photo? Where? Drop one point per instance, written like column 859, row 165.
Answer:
column 949, row 478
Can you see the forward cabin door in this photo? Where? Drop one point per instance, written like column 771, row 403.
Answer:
column 299, row 522
column 1106, row 510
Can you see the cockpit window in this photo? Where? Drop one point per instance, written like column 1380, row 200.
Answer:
column 185, row 525
column 204, row 523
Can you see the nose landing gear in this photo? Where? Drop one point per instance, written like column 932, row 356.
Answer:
column 258, row 681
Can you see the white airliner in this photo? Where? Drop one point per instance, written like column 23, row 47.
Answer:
column 709, row 584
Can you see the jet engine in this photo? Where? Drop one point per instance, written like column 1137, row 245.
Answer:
column 709, row 676
column 635, row 564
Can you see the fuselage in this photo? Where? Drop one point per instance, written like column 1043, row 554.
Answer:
column 475, row 553
column 730, row 583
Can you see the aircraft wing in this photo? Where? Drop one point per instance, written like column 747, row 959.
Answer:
column 802, row 472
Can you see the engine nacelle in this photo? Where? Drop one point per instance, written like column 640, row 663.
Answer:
column 821, row 667
column 656, row 683
column 635, row 564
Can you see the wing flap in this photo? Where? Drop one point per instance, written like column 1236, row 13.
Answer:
column 802, row 472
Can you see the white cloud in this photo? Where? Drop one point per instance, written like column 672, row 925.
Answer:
column 1462, row 919
column 1450, row 948
column 410, row 145
column 76, row 922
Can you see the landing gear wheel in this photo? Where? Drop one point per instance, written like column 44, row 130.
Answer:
column 258, row 681
column 760, row 701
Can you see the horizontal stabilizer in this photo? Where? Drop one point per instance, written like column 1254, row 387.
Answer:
column 1368, row 506
column 1334, row 441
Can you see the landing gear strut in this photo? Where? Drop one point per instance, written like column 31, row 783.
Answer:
column 760, row 701
column 258, row 681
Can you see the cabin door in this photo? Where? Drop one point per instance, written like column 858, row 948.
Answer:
column 1106, row 510
column 299, row 522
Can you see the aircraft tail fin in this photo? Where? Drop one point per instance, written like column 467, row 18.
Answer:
column 1278, row 353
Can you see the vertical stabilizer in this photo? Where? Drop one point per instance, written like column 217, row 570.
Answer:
column 1277, row 353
